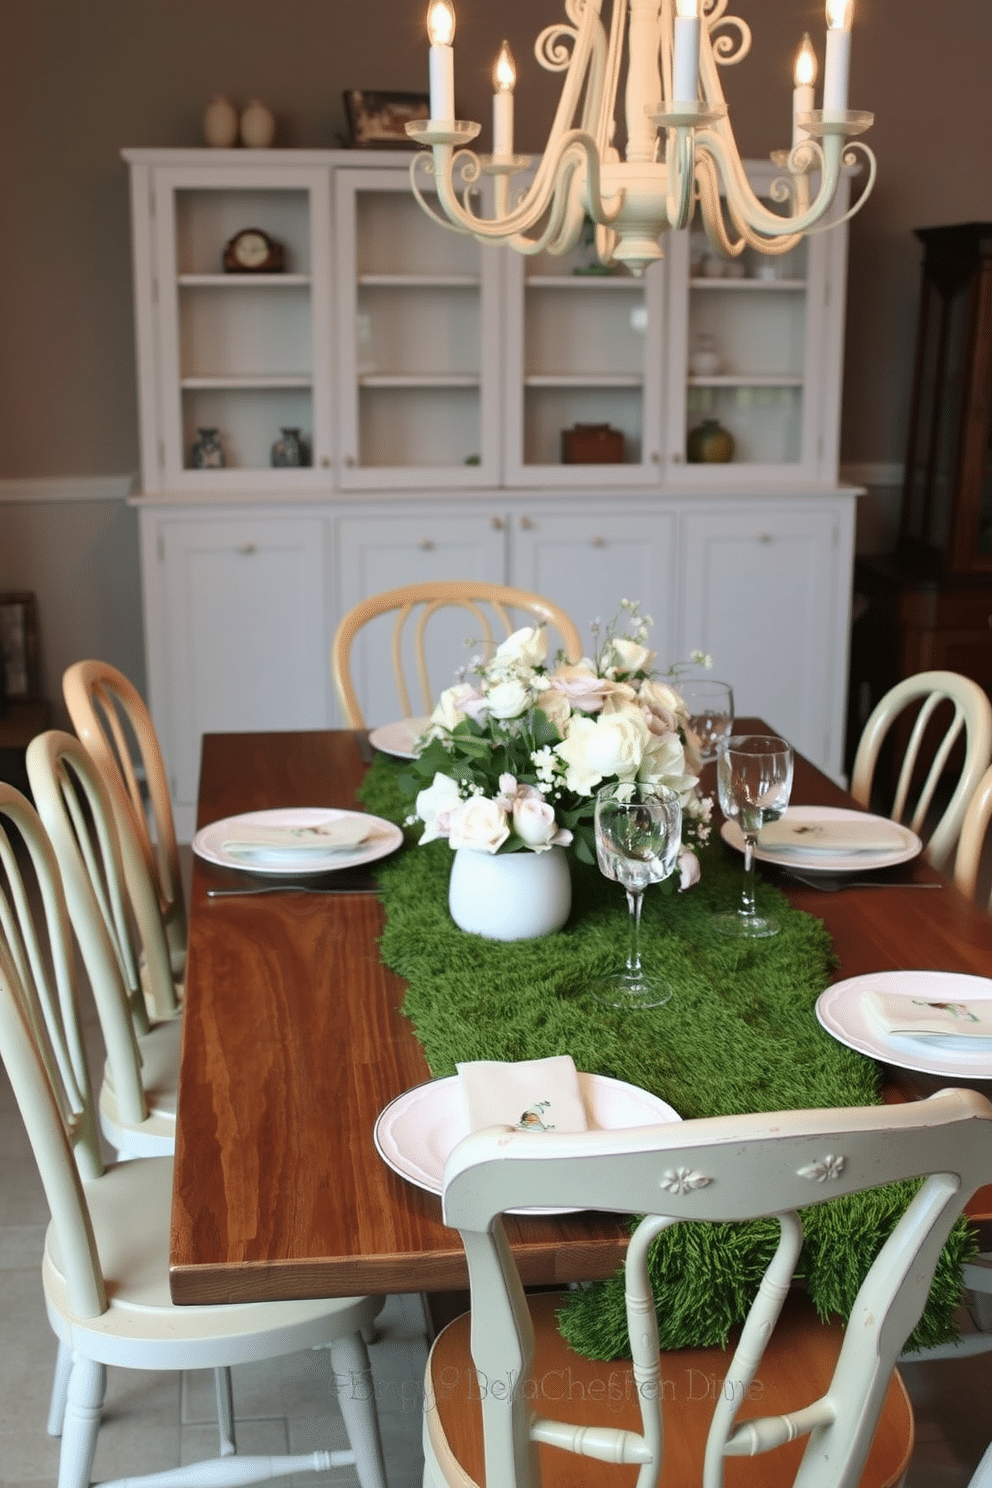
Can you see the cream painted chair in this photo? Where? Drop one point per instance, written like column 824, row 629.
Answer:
column 974, row 831
column 110, row 717
column 970, row 727
column 105, row 1270
column 415, row 605
column 115, row 929
column 506, row 1397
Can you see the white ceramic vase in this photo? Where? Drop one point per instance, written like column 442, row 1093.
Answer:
column 510, row 896
column 220, row 123
column 258, row 127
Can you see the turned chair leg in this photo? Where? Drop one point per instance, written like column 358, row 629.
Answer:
column 81, row 1422
column 356, row 1397
column 60, row 1385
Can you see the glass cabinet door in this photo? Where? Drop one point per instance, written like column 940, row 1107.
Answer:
column 245, row 356
column 583, row 371
column 418, row 342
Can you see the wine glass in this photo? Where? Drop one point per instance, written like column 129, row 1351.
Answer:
column 710, row 709
column 754, row 780
column 638, row 836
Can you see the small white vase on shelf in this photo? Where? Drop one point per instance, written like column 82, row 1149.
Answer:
column 510, row 896
column 220, row 123
column 258, row 127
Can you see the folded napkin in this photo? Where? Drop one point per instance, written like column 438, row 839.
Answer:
column 915, row 1017
column 331, row 836
column 533, row 1094
column 870, row 834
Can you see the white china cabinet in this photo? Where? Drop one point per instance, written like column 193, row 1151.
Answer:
column 431, row 381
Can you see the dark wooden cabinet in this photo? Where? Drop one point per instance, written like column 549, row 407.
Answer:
column 946, row 523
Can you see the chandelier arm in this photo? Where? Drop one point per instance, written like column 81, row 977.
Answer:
column 680, row 157
column 712, row 207
column 424, row 160
column 747, row 206
column 534, row 203
column 578, row 50
column 850, row 162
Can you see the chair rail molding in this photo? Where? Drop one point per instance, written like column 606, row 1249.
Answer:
column 36, row 490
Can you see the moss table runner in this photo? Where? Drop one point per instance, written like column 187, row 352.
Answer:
column 739, row 1035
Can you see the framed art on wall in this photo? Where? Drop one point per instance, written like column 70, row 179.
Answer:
column 19, row 645
column 377, row 120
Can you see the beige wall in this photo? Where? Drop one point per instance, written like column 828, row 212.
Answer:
column 79, row 80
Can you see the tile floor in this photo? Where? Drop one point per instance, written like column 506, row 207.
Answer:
column 152, row 1422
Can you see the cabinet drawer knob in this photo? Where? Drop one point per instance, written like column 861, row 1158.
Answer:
column 426, row 544
column 497, row 524
column 527, row 524
column 325, row 461
column 246, row 549
column 765, row 537
column 598, row 542
column 349, row 460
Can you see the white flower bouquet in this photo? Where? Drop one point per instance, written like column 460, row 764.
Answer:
column 514, row 756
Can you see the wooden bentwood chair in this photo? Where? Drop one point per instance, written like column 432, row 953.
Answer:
column 509, row 1404
column 417, row 604
column 105, row 1269
column 913, row 803
column 114, row 725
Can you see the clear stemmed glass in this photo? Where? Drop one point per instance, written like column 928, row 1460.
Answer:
column 710, row 708
column 638, row 836
column 754, row 780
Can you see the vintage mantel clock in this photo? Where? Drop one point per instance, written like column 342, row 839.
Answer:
column 947, row 494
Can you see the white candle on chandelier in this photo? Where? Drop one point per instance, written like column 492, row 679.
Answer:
column 802, row 94
column 837, row 62
column 504, row 78
column 685, row 52
column 441, row 31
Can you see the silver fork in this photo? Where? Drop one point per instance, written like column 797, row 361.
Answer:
column 292, row 889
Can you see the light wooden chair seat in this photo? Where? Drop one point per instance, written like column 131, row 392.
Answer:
column 792, row 1401
column 969, row 728
column 491, row 608
column 105, row 1268
column 115, row 727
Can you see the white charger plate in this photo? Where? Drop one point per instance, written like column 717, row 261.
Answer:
column 810, row 862
column 208, row 843
column 399, row 738
column 416, row 1133
column 840, row 1012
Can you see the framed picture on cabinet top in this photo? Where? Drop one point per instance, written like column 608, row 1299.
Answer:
column 377, row 121
column 19, row 645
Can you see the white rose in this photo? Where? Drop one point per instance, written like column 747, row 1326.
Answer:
column 534, row 821
column 666, row 709
column 508, row 699
column 628, row 656
column 456, row 704
column 596, row 749
column 527, row 647
column 664, row 763
column 556, row 708
column 480, row 824
column 435, row 805
column 688, row 865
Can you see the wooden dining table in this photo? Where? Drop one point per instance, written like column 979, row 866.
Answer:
column 294, row 1040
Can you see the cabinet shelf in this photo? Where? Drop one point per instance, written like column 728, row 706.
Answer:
column 583, row 380
column 734, row 380
column 245, row 382
column 419, row 380
column 244, row 281
column 596, row 282
column 749, row 286
column 419, row 281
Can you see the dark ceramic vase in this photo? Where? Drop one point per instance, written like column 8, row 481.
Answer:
column 710, row 444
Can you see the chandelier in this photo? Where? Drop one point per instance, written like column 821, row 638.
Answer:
column 679, row 145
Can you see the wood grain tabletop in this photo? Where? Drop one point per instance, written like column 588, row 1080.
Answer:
column 294, row 1041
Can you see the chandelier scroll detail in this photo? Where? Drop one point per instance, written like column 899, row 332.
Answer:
column 679, row 151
